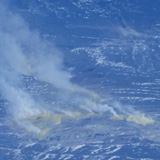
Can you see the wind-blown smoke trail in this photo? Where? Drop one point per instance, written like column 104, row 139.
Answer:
column 24, row 52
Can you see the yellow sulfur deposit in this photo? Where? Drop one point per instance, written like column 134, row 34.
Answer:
column 140, row 119
column 118, row 117
column 42, row 120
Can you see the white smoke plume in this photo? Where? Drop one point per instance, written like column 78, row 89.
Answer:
column 24, row 52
